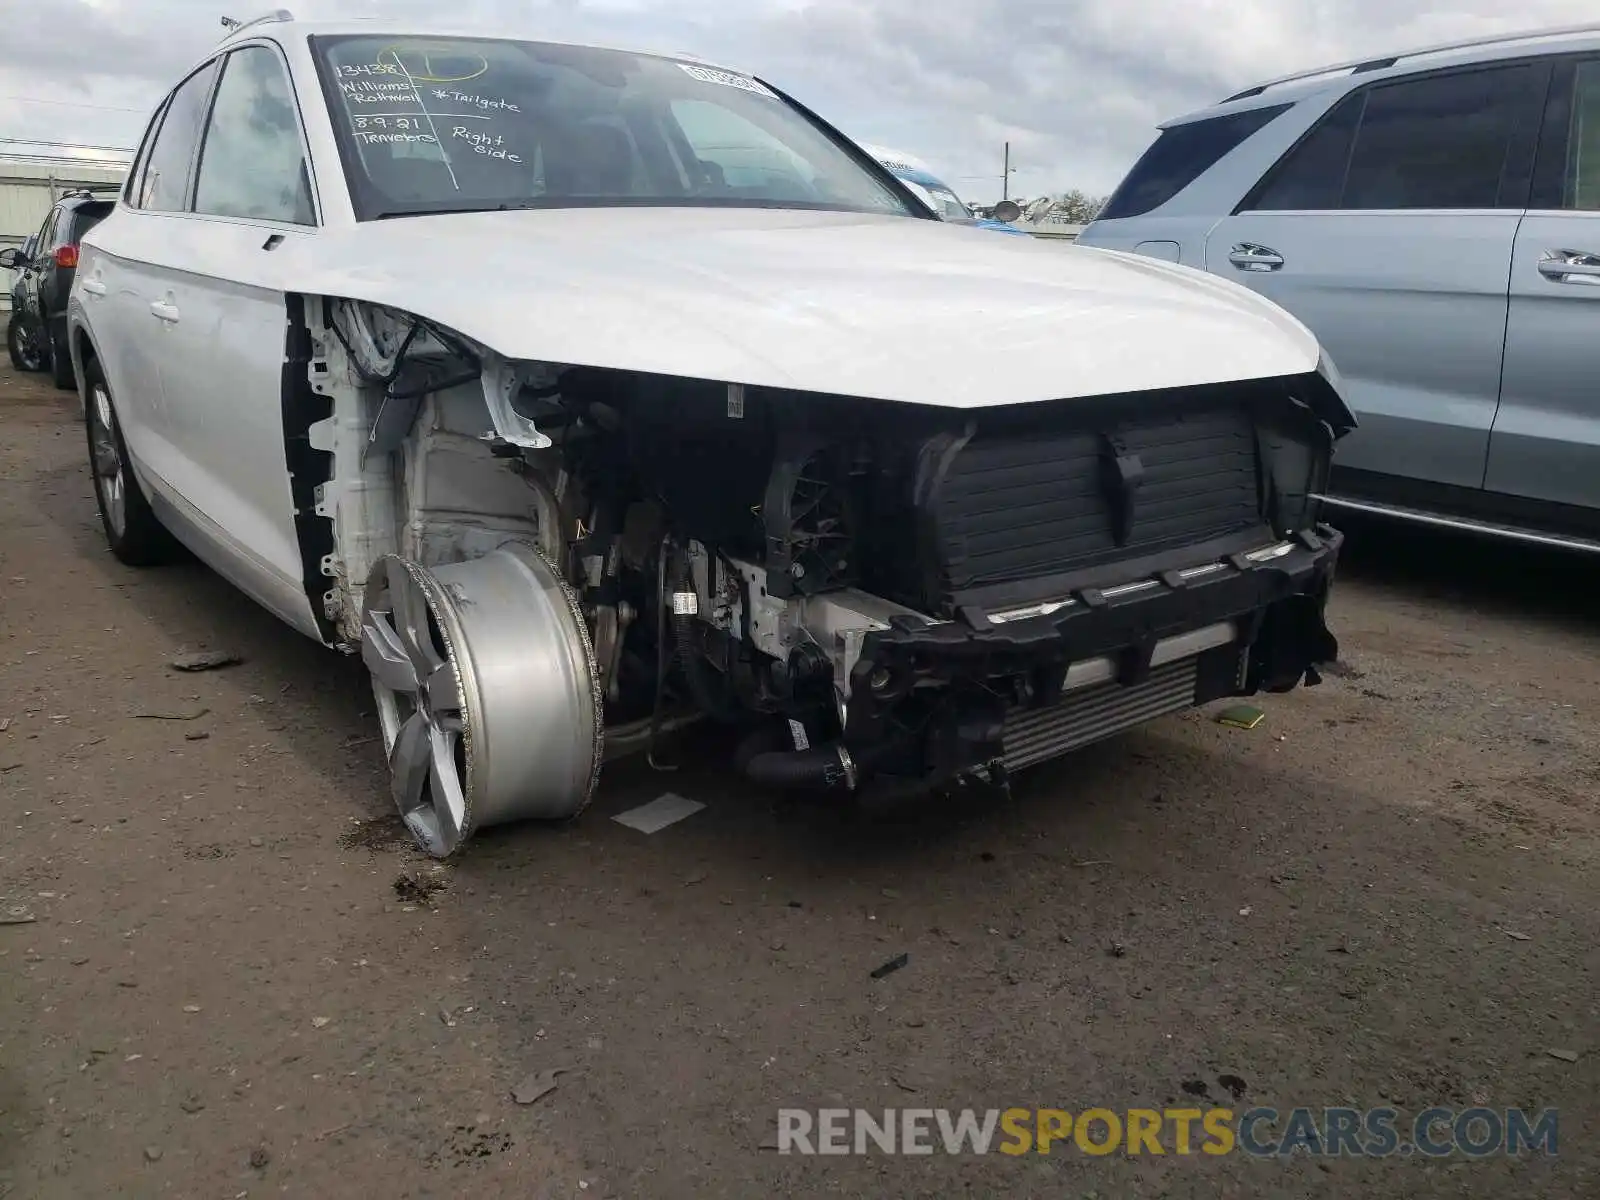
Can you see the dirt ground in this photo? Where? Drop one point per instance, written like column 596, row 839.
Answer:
column 236, row 983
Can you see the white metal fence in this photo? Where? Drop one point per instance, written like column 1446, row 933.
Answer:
column 30, row 184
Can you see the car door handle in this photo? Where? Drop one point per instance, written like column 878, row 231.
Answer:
column 1570, row 266
column 1249, row 257
column 162, row 311
column 94, row 287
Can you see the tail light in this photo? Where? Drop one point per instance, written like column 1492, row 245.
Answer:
column 66, row 256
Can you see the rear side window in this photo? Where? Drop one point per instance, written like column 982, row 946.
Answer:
column 134, row 186
column 85, row 217
column 164, row 186
column 47, row 231
column 1180, row 156
column 1582, row 190
column 1439, row 142
column 1313, row 174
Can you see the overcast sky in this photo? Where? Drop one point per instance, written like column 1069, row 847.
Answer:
column 1076, row 87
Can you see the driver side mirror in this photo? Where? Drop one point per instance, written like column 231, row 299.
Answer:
column 1007, row 211
column 12, row 258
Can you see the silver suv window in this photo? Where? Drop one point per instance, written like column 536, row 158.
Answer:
column 1443, row 141
column 1180, row 156
column 1582, row 189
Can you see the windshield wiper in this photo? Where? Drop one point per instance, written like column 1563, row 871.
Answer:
column 505, row 206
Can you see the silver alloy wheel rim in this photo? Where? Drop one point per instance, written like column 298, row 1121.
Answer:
column 418, row 691
column 109, row 479
column 487, row 692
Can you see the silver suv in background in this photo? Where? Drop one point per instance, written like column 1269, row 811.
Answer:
column 1434, row 217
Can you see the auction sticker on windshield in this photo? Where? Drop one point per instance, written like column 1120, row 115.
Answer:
column 728, row 78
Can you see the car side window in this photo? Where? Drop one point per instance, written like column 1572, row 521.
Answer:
column 164, row 186
column 1437, row 142
column 252, row 163
column 135, row 184
column 1582, row 185
column 1312, row 175
column 1180, row 156
column 84, row 218
column 41, row 240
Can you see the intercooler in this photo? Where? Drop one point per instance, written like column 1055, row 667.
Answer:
column 1005, row 507
column 1092, row 713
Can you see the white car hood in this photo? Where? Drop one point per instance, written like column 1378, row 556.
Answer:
column 884, row 307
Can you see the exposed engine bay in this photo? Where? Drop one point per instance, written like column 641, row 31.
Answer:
column 875, row 593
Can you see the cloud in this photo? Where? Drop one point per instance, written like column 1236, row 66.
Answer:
column 1076, row 87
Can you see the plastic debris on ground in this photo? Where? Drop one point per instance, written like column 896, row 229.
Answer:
column 666, row 809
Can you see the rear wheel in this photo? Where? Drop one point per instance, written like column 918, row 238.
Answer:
column 25, row 353
column 134, row 534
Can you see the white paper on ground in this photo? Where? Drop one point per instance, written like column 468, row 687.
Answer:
column 666, row 809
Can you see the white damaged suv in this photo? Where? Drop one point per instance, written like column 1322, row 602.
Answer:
column 585, row 393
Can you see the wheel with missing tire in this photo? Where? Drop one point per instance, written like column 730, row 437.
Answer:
column 487, row 693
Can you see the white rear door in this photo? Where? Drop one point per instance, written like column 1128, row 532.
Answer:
column 125, row 279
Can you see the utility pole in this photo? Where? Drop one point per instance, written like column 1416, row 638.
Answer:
column 1005, row 175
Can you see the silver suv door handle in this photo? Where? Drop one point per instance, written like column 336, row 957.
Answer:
column 1570, row 266
column 1249, row 257
column 94, row 287
column 162, row 311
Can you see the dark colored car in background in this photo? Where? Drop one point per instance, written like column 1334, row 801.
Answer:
column 45, row 264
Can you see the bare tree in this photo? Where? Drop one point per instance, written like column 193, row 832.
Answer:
column 1076, row 207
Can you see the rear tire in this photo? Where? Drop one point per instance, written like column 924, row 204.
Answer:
column 25, row 354
column 61, row 367
column 133, row 532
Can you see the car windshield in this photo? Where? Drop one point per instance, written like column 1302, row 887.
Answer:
column 430, row 125
column 946, row 202
column 937, row 195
